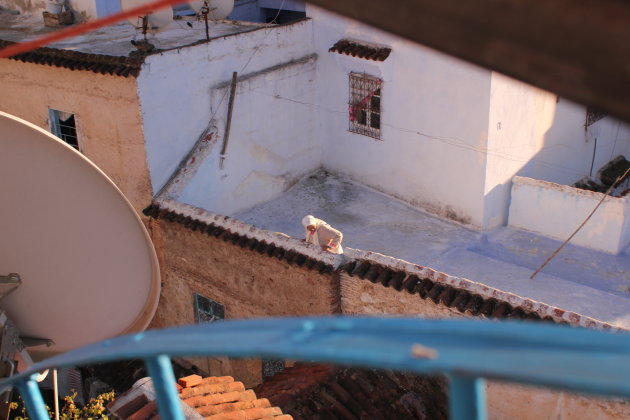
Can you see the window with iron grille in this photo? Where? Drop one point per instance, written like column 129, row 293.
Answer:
column 365, row 105
column 207, row 310
column 63, row 125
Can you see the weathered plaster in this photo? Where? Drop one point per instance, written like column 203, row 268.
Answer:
column 271, row 142
column 519, row 402
column 107, row 116
column 248, row 284
column 259, row 163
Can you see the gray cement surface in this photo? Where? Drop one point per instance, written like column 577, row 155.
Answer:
column 589, row 282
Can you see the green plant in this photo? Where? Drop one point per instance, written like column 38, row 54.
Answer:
column 71, row 410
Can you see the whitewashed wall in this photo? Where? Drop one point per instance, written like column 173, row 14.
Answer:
column 534, row 133
column 272, row 141
column 556, row 210
column 530, row 133
column 434, row 121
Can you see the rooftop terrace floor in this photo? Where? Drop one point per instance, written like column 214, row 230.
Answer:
column 115, row 40
column 588, row 282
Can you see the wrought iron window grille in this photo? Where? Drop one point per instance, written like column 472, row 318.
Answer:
column 364, row 107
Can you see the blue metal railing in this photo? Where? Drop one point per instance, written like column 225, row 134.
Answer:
column 467, row 351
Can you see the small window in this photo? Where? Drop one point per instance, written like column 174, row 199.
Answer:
column 365, row 105
column 271, row 366
column 207, row 310
column 63, row 125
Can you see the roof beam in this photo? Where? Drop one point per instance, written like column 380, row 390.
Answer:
column 578, row 49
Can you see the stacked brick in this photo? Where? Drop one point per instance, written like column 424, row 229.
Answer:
column 212, row 398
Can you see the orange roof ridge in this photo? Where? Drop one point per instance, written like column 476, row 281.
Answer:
column 215, row 398
column 189, row 381
column 209, row 410
column 212, row 389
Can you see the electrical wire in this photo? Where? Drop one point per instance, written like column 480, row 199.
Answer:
column 454, row 142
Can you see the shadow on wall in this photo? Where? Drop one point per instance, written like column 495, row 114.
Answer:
column 566, row 152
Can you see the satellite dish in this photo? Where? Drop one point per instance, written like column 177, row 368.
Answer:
column 153, row 22
column 217, row 9
column 87, row 266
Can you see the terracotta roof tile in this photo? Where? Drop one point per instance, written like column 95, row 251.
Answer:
column 220, row 398
column 209, row 410
column 215, row 398
column 75, row 60
column 188, row 381
column 356, row 49
column 440, row 294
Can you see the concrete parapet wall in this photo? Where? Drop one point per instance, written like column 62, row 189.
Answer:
column 556, row 210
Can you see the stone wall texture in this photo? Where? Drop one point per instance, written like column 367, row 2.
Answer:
column 252, row 285
column 248, row 284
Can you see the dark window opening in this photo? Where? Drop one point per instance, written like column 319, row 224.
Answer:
column 365, row 105
column 271, row 366
column 207, row 310
column 63, row 125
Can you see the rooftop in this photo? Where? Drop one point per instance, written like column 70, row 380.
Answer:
column 599, row 283
column 214, row 397
column 115, row 40
column 309, row 391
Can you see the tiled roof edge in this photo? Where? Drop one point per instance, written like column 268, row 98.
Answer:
column 460, row 293
column 75, row 60
column 274, row 244
column 454, row 292
column 361, row 50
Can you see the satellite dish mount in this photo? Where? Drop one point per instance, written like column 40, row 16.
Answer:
column 205, row 11
column 145, row 25
column 211, row 10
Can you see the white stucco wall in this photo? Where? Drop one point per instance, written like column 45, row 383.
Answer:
column 434, row 121
column 556, row 210
column 272, row 141
column 534, row 133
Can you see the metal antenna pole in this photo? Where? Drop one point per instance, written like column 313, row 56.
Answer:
column 145, row 25
column 204, row 11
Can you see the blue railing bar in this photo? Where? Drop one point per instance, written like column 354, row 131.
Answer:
column 533, row 353
column 33, row 400
column 161, row 371
column 467, row 398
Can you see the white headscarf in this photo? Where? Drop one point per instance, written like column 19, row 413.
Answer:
column 311, row 220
